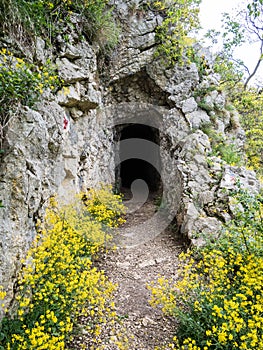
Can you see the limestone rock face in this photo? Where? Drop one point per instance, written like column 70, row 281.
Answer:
column 70, row 141
column 61, row 147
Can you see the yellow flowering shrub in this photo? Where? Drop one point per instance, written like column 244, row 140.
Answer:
column 218, row 298
column 249, row 104
column 21, row 83
column 104, row 207
column 58, row 283
column 173, row 35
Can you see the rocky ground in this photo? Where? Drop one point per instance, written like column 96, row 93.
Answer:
column 132, row 268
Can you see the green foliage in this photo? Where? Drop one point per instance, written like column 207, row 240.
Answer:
column 246, row 230
column 201, row 63
column 249, row 104
column 233, row 35
column 58, row 283
column 230, row 73
column 245, row 26
column 229, row 153
column 48, row 18
column 255, row 8
column 221, row 147
column 100, row 25
column 207, row 107
column 18, row 76
column 173, row 34
column 218, row 297
column 21, row 84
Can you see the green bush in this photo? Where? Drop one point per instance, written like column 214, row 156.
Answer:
column 220, row 148
column 229, row 153
column 249, row 104
column 173, row 34
column 25, row 19
column 21, row 84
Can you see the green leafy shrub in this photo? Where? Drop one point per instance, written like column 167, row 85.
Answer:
column 172, row 35
column 220, row 148
column 21, row 84
column 58, row 283
column 229, row 153
column 249, row 104
column 218, row 298
column 245, row 25
column 48, row 18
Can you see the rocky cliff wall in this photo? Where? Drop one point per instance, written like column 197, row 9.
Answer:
column 70, row 141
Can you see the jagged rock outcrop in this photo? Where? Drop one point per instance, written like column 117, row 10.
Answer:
column 69, row 142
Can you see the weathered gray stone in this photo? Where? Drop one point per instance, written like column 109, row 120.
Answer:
column 69, row 96
column 194, row 144
column 70, row 72
column 78, row 52
column 235, row 120
column 179, row 82
column 197, row 119
column 144, row 41
column 189, row 105
column 78, row 96
column 206, row 197
column 205, row 228
column 137, row 60
column 220, row 126
column 233, row 175
column 219, row 100
column 40, row 52
column 226, row 118
column 176, row 126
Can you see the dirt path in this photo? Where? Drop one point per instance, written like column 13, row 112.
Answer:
column 132, row 268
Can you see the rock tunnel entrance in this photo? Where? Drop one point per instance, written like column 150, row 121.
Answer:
column 148, row 167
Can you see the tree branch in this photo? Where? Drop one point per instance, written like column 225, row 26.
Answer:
column 256, row 67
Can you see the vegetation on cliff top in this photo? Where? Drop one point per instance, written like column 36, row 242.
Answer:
column 175, row 34
column 23, row 20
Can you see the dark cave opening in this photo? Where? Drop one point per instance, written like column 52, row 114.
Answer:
column 134, row 168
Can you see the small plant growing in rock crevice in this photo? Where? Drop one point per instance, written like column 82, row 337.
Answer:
column 228, row 152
